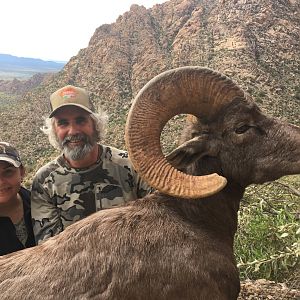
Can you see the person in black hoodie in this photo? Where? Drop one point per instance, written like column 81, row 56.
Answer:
column 15, row 217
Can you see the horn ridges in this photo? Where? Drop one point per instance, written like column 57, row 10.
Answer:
column 186, row 90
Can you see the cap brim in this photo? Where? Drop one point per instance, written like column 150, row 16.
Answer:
column 15, row 163
column 69, row 104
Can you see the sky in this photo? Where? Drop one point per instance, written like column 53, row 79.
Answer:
column 56, row 29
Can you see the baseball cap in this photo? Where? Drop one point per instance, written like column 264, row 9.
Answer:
column 10, row 154
column 70, row 95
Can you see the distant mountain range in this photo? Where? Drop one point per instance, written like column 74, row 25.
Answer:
column 23, row 67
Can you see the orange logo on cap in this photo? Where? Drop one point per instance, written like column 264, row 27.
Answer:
column 68, row 93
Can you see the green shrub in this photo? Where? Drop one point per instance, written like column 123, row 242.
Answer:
column 267, row 243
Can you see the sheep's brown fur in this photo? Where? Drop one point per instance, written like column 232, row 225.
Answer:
column 162, row 247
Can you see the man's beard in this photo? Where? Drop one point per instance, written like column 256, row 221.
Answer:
column 80, row 151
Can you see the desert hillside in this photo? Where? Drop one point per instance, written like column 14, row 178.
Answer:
column 254, row 42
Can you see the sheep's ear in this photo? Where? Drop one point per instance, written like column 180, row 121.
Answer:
column 191, row 151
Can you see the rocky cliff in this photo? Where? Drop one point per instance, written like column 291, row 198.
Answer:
column 256, row 42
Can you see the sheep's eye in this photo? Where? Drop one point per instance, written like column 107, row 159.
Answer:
column 242, row 129
column 195, row 133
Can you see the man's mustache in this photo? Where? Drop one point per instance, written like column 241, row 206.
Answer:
column 75, row 138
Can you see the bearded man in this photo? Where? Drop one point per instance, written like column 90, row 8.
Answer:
column 87, row 176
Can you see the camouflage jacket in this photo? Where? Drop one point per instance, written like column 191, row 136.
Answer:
column 62, row 195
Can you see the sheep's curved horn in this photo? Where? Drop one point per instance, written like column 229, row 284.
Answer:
column 186, row 90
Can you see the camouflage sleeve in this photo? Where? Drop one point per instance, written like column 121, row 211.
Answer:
column 45, row 215
column 122, row 162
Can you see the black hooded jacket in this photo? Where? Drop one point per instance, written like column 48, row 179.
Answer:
column 8, row 239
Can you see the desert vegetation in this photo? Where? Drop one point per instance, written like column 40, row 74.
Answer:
column 268, row 239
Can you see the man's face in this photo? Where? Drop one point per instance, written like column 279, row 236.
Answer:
column 75, row 132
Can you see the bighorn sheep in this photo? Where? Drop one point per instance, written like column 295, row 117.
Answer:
column 178, row 242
